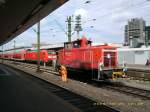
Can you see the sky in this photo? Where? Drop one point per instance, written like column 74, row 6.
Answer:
column 111, row 17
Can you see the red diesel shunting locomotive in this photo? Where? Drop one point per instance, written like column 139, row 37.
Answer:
column 100, row 61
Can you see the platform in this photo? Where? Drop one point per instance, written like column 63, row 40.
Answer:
column 20, row 94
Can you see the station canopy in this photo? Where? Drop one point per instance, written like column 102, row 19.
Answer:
column 16, row 16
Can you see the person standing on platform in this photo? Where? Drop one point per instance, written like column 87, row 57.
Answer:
column 147, row 62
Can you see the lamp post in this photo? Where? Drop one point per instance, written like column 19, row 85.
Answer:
column 38, row 46
column 14, row 49
column 2, row 53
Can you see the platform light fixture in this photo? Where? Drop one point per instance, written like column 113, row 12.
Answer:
column 2, row 3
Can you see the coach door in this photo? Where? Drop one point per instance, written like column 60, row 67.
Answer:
column 23, row 55
column 109, row 58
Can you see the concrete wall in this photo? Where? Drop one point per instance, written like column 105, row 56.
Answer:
column 127, row 57
column 141, row 57
column 133, row 56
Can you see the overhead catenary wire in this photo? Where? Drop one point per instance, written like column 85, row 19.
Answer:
column 127, row 7
column 119, row 10
column 60, row 26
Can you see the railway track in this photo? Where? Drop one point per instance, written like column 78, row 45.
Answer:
column 137, row 92
column 82, row 103
column 139, row 74
column 134, row 74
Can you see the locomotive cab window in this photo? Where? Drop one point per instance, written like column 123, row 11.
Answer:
column 89, row 43
column 68, row 45
column 76, row 44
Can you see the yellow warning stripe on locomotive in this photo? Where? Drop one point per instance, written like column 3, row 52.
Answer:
column 118, row 74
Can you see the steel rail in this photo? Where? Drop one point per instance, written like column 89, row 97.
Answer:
column 144, row 94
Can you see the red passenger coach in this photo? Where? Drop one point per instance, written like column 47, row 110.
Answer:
column 45, row 55
column 51, row 55
column 99, row 61
column 18, row 55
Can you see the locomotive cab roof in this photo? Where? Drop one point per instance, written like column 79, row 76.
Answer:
column 83, row 42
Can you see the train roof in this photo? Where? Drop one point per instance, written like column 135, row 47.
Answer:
column 134, row 49
column 78, row 41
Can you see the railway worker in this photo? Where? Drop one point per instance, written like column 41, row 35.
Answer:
column 63, row 73
column 125, row 69
column 147, row 62
column 100, row 73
